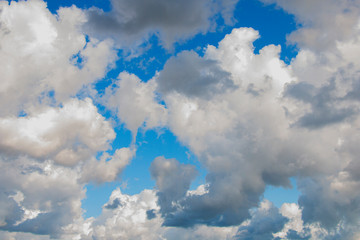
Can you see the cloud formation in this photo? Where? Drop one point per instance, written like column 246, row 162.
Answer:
column 172, row 20
column 193, row 76
column 250, row 119
column 39, row 54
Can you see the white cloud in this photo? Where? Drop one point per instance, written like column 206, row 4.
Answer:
column 250, row 137
column 125, row 216
column 108, row 168
column 251, row 120
column 135, row 103
column 67, row 134
column 39, row 52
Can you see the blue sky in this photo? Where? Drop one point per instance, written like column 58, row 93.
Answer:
column 157, row 119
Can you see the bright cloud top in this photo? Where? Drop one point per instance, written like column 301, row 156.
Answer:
column 250, row 119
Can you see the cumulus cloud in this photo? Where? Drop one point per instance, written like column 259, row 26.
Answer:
column 264, row 222
column 251, row 120
column 135, row 103
column 68, row 134
column 318, row 31
column 42, row 198
column 238, row 120
column 173, row 181
column 126, row 216
column 108, row 168
column 171, row 20
column 39, row 55
column 327, row 75
column 193, row 76
column 273, row 108
column 48, row 136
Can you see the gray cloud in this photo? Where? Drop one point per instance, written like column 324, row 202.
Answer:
column 193, row 76
column 172, row 20
column 173, row 180
column 324, row 103
column 41, row 201
column 328, row 204
column 115, row 204
column 265, row 221
column 150, row 214
column 319, row 32
column 293, row 235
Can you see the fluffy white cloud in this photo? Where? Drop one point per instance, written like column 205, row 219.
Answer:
column 250, row 136
column 108, row 168
column 137, row 217
column 251, row 120
column 135, row 103
column 68, row 134
column 43, row 56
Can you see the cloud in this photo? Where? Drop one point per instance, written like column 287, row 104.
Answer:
column 193, row 76
column 39, row 56
column 327, row 74
column 250, row 119
column 330, row 201
column 273, row 108
column 143, row 107
column 172, row 180
column 40, row 202
column 319, row 32
column 171, row 20
column 130, row 220
column 68, row 134
column 264, row 222
column 251, row 125
column 325, row 108
column 108, row 168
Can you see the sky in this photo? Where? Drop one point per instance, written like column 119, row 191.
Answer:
column 179, row 120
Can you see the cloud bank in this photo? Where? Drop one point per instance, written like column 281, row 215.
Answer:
column 250, row 119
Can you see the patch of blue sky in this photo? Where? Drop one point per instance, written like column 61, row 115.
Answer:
column 54, row 5
column 152, row 144
column 96, row 197
column 273, row 24
column 281, row 195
